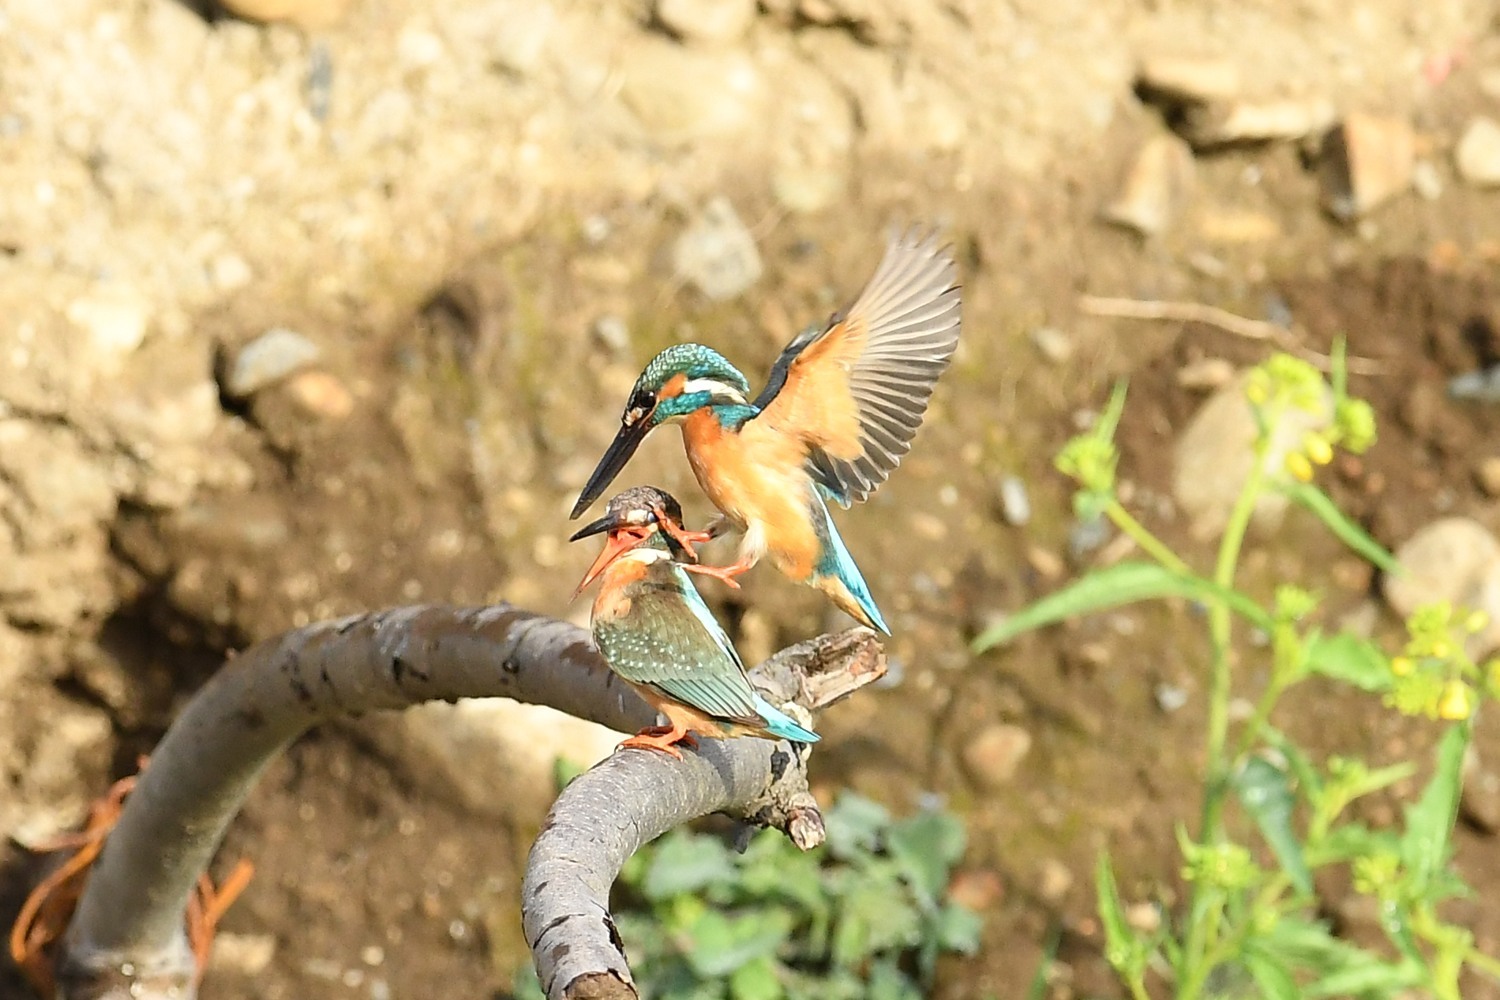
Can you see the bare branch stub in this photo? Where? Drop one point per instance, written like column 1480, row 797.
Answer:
column 608, row 813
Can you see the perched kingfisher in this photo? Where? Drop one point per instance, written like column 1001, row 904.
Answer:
column 834, row 419
column 660, row 638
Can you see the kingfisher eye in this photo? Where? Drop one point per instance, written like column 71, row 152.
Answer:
column 641, row 404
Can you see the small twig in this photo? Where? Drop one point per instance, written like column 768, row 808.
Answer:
column 608, row 813
column 1222, row 319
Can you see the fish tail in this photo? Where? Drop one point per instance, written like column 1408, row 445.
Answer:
column 778, row 724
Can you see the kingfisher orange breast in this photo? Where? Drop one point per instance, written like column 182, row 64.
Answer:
column 755, row 476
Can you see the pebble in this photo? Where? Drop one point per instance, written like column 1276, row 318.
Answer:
column 1364, row 162
column 1189, row 79
column 1454, row 559
column 269, row 358
column 1478, row 153
column 1426, row 181
column 1156, row 187
column 717, row 253
column 1214, row 454
column 1047, row 564
column 1207, row 373
column 1170, row 697
column 612, row 334
column 1055, row 345
column 320, row 394
column 1208, row 126
column 229, row 272
column 115, row 317
column 680, row 95
column 1143, row 917
column 243, row 954
column 715, row 22
column 1054, row 881
column 992, row 755
column 1481, row 386
column 1015, row 503
column 1086, row 537
column 1487, row 475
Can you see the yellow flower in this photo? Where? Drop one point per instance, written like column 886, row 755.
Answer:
column 1300, row 468
column 1402, row 665
column 1457, row 702
column 1477, row 622
column 1318, row 449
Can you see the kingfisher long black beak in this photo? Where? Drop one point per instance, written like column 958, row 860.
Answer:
column 620, row 450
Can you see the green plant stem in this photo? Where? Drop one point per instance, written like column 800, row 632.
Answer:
column 1487, row 964
column 1199, row 955
column 1149, row 543
column 1220, row 626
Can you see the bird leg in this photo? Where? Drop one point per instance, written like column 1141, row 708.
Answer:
column 662, row 738
column 725, row 573
column 687, row 539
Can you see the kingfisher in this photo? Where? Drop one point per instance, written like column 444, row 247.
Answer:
column 836, row 416
column 657, row 634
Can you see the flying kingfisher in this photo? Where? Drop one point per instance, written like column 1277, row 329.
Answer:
column 660, row 638
column 834, row 419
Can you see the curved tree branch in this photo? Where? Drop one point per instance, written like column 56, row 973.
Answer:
column 607, row 814
column 126, row 939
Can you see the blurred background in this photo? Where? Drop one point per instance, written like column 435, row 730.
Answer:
column 311, row 307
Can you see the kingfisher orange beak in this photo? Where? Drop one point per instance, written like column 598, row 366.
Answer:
column 620, row 451
column 620, row 541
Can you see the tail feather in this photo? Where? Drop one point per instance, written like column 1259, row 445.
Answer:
column 836, row 574
column 780, row 725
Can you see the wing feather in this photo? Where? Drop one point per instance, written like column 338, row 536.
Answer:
column 855, row 392
column 671, row 641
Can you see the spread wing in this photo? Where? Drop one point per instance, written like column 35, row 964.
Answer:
column 854, row 392
column 671, row 641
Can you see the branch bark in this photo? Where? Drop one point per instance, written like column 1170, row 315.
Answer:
column 607, row 814
column 126, row 939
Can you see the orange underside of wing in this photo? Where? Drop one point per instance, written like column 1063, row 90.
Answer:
column 816, row 405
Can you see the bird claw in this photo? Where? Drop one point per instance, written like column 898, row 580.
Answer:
column 661, row 738
column 724, row 573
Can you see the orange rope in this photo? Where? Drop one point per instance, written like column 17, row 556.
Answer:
column 45, row 914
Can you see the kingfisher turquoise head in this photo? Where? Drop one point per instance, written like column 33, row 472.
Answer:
column 640, row 517
column 678, row 381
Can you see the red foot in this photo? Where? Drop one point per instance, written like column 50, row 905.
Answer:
column 663, row 738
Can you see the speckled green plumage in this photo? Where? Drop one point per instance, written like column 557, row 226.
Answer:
column 667, row 642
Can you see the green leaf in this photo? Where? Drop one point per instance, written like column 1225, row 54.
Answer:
column 1302, row 769
column 875, row 915
column 756, row 980
column 1112, row 586
column 1266, row 793
column 888, row 982
column 1350, row 659
column 854, row 826
column 1122, row 946
column 1348, row 841
column 1429, row 822
column 1339, row 523
column 927, row 845
column 721, row 944
column 1272, row 977
column 684, row 862
column 958, row 929
column 1368, row 976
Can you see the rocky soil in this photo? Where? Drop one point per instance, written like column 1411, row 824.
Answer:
column 337, row 311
